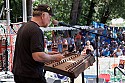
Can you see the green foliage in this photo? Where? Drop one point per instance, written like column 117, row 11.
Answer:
column 16, row 13
column 48, row 34
column 61, row 8
column 116, row 9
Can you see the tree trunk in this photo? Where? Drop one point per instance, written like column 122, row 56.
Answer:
column 91, row 11
column 29, row 9
column 79, row 10
column 75, row 12
column 105, row 15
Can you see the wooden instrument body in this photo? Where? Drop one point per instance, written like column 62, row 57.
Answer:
column 72, row 65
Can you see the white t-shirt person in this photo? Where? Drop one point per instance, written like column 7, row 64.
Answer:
column 87, row 49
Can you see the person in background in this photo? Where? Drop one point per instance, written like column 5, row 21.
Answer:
column 106, row 52
column 49, row 46
column 65, row 44
column 45, row 43
column 84, row 51
column 78, row 42
column 60, row 44
column 88, row 48
column 117, row 52
column 123, row 51
column 72, row 46
column 99, row 52
column 29, row 55
column 69, row 42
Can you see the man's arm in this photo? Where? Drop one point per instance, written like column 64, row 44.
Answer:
column 43, row 57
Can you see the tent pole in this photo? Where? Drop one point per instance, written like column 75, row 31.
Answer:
column 7, row 12
column 24, row 11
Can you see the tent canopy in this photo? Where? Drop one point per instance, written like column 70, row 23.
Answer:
column 56, row 28
column 63, row 28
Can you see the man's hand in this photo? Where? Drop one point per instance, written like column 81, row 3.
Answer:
column 53, row 52
column 58, row 57
column 55, row 22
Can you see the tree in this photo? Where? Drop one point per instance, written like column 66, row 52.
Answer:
column 91, row 11
column 29, row 8
column 109, row 9
column 81, row 12
column 61, row 8
column 75, row 11
column 16, row 12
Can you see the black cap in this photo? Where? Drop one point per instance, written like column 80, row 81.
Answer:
column 44, row 8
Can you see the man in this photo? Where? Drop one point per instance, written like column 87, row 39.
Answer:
column 29, row 55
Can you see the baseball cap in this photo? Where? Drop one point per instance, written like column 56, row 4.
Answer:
column 44, row 8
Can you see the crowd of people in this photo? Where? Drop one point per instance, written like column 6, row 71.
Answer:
column 85, row 44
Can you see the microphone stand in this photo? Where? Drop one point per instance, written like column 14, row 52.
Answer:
column 96, row 38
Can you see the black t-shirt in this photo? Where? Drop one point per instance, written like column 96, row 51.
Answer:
column 29, row 40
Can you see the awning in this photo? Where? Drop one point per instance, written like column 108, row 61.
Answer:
column 70, row 28
column 56, row 28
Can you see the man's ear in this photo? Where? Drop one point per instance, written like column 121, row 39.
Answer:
column 43, row 14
